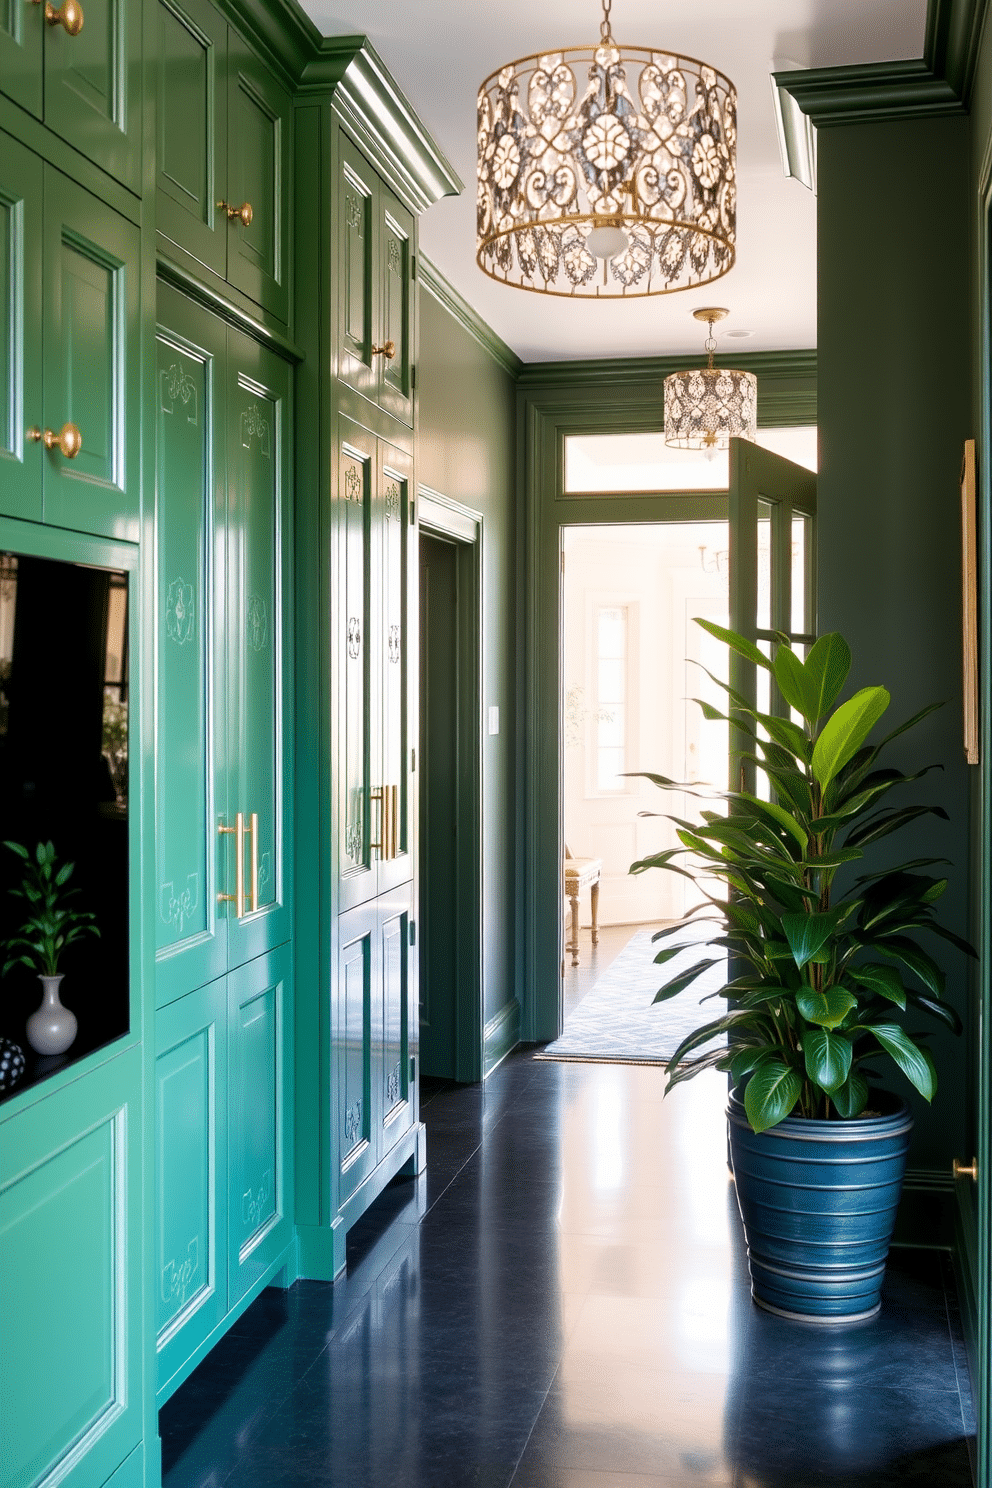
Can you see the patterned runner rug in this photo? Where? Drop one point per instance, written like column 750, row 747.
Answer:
column 617, row 1022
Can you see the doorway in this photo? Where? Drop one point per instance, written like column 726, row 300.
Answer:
column 449, row 817
column 632, row 661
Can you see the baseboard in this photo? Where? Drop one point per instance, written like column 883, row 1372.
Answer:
column 500, row 1036
column 926, row 1216
column 321, row 1251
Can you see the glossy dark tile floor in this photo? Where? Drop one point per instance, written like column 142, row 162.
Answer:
column 562, row 1301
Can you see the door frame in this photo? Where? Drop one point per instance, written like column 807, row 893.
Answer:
column 441, row 517
column 626, row 405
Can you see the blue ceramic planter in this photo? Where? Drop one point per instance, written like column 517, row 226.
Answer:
column 818, row 1200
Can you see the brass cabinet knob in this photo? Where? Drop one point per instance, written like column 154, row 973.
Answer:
column 960, row 1171
column 68, row 441
column 69, row 16
column 387, row 349
column 243, row 214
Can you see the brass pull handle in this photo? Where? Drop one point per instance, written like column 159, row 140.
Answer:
column 238, row 897
column 243, row 213
column 387, row 823
column 253, row 829
column 69, row 16
column 960, row 1171
column 394, row 822
column 377, row 795
column 68, row 441
column 387, row 349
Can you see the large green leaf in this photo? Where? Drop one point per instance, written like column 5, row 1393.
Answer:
column 851, row 1097
column 885, row 981
column 791, row 680
column 937, row 1008
column 846, row 730
column 736, row 642
column 808, row 933
column 826, row 1009
column 778, row 815
column 684, row 979
column 826, row 669
column 915, row 1063
column 901, row 948
column 770, row 1094
column 885, row 822
column 828, row 1057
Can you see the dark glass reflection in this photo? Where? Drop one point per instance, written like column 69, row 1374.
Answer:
column 64, row 694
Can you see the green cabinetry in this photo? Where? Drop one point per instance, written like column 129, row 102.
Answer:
column 69, row 349
column 223, row 790
column 223, row 129
column 70, row 1166
column 85, row 84
column 223, row 1124
column 375, row 256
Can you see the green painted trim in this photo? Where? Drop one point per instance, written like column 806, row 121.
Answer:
column 279, row 30
column 221, row 305
column 44, row 143
column 589, row 391
column 940, row 82
column 501, row 1036
column 433, row 281
column 965, row 1255
column 635, row 371
column 872, row 93
column 323, row 1251
column 953, row 38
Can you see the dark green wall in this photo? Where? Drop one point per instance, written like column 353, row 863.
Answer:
column 894, row 399
column 466, row 451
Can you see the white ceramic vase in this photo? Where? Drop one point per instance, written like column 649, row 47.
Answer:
column 53, row 1027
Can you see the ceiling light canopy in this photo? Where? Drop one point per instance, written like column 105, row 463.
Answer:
column 607, row 172
column 707, row 406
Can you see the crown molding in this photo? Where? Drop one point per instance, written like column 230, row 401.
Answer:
column 433, row 281
column 280, row 30
column 349, row 71
column 938, row 83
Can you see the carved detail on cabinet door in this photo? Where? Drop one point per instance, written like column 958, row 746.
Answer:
column 177, row 909
column 392, row 501
column 256, row 1203
column 179, row 611
column 177, row 1276
column 177, row 383
column 394, row 256
column 354, row 637
column 353, row 213
column 393, row 1085
column 257, row 622
column 352, row 483
column 254, row 426
column 394, row 643
column 354, row 838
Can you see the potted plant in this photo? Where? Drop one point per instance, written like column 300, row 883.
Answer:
column 51, row 925
column 825, row 963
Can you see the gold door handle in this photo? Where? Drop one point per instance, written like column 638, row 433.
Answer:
column 387, row 349
column 69, row 16
column 394, row 822
column 68, row 441
column 377, row 795
column 960, row 1171
column 238, row 897
column 243, row 214
column 253, row 829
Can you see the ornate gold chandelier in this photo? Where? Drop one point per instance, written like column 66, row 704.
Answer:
column 607, row 172
column 708, row 405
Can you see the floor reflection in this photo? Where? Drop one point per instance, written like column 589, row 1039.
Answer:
column 563, row 1301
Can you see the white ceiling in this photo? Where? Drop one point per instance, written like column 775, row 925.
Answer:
column 439, row 51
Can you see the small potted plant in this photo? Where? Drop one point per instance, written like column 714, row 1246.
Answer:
column 824, row 964
column 51, row 925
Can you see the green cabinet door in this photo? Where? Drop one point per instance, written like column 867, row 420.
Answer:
column 260, row 1120
column 191, row 63
column 356, row 668
column 191, row 929
column 259, row 131
column 259, row 634
column 21, row 213
column 71, row 1282
column 396, row 230
column 21, row 50
column 93, row 87
column 91, row 346
column 357, row 1022
column 191, row 1167
column 396, row 1106
column 395, row 557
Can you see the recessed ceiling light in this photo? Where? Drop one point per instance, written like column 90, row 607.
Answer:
column 738, row 335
